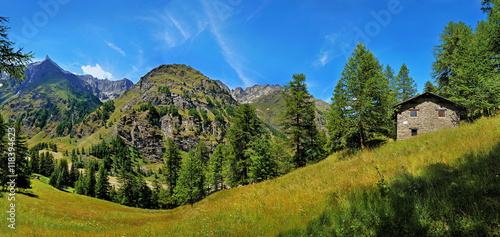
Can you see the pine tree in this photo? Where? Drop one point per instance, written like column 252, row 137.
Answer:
column 298, row 121
column 245, row 129
column 172, row 159
column 359, row 109
column 102, row 185
column 215, row 168
column 405, row 85
column 190, row 187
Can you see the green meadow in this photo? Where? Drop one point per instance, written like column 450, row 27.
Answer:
column 440, row 184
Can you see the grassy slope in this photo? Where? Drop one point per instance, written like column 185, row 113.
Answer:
column 269, row 208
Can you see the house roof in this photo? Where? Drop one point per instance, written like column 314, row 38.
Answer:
column 428, row 94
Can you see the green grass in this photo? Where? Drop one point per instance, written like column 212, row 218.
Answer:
column 444, row 183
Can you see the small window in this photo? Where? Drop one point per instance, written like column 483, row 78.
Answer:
column 413, row 113
column 414, row 131
column 440, row 113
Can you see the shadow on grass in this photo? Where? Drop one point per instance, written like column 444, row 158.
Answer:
column 446, row 200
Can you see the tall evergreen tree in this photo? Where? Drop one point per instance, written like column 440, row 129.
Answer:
column 102, row 185
column 405, row 85
column 245, row 129
column 172, row 158
column 191, row 185
column 298, row 121
column 359, row 109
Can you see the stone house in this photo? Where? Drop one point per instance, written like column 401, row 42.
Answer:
column 425, row 113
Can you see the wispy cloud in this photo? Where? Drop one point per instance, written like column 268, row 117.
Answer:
column 96, row 71
column 182, row 29
column 329, row 50
column 215, row 22
column 116, row 48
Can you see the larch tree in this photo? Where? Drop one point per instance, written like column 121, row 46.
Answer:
column 466, row 66
column 191, row 184
column 245, row 129
column 172, row 158
column 12, row 61
column 215, row 168
column 20, row 146
column 360, row 105
column 405, row 85
column 298, row 121
column 429, row 87
column 102, row 185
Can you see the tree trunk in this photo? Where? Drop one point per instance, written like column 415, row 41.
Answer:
column 362, row 142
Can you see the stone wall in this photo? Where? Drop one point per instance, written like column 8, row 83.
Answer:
column 427, row 119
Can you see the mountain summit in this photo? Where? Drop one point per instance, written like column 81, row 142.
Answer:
column 49, row 99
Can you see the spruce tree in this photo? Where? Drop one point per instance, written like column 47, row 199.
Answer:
column 102, row 185
column 172, row 158
column 405, row 85
column 191, row 184
column 298, row 121
column 359, row 109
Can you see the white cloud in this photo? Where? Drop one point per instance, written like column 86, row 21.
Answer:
column 116, row 48
column 97, row 71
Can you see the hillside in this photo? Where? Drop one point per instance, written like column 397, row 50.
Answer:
column 443, row 183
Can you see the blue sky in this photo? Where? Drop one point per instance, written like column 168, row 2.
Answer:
column 239, row 42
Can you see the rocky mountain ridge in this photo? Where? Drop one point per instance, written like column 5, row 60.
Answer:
column 106, row 89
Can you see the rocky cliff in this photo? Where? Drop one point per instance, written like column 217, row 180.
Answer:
column 106, row 89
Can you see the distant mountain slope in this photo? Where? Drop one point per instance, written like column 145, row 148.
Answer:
column 49, row 99
column 171, row 101
column 106, row 89
column 269, row 103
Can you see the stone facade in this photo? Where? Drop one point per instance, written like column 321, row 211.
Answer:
column 426, row 113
